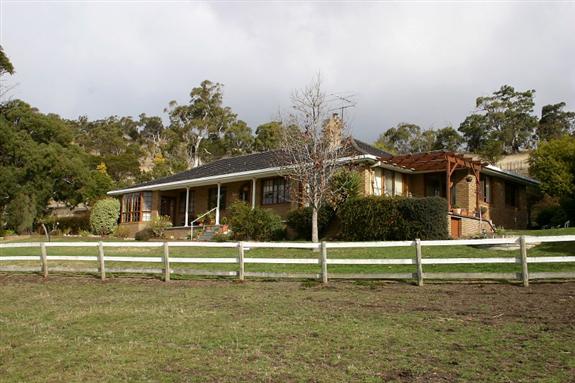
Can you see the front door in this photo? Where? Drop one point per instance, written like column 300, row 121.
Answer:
column 168, row 207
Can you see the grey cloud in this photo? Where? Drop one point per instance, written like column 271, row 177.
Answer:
column 422, row 63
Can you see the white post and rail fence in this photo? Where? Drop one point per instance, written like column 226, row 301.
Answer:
column 169, row 265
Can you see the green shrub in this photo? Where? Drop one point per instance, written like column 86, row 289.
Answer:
column 104, row 217
column 552, row 216
column 345, row 184
column 122, row 232
column 255, row 224
column 144, row 235
column 159, row 225
column 300, row 220
column 68, row 225
column 20, row 213
column 221, row 237
column 383, row 218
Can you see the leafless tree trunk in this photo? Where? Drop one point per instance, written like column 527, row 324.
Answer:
column 312, row 150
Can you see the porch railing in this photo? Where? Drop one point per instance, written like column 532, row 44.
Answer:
column 196, row 220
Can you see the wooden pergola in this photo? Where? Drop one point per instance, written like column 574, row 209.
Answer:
column 442, row 161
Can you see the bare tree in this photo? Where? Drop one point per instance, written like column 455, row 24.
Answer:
column 313, row 147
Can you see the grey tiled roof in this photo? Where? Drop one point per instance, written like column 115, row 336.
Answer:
column 245, row 163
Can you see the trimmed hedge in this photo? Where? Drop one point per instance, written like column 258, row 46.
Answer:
column 300, row 221
column 393, row 218
column 255, row 224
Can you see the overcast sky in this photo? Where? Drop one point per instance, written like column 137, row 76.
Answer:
column 404, row 62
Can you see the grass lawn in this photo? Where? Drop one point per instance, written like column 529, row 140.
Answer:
column 546, row 249
column 78, row 329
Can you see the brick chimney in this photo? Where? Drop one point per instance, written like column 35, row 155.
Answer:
column 332, row 131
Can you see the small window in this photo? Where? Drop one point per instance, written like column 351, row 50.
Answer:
column 245, row 192
column 275, row 191
column 485, row 188
column 213, row 198
column 398, row 184
column 377, row 183
column 510, row 194
column 388, row 179
column 147, row 206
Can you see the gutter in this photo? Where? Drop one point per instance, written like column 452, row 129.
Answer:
column 494, row 170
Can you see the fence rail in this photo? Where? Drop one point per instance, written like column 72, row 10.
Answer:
column 321, row 260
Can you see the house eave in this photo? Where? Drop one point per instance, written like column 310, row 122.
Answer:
column 225, row 178
column 495, row 171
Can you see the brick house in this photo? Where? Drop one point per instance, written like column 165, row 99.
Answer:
column 467, row 184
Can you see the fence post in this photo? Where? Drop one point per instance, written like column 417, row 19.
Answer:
column 101, row 267
column 166, row 260
column 418, row 262
column 44, row 257
column 323, row 262
column 524, row 268
column 241, row 261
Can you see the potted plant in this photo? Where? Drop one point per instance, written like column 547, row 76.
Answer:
column 456, row 209
column 225, row 227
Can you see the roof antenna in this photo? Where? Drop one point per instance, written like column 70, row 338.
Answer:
column 346, row 102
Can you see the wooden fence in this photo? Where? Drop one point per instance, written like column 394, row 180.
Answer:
column 322, row 260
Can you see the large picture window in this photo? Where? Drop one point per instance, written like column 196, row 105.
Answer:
column 274, row 191
column 136, row 207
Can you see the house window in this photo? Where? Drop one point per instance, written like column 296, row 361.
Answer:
column 275, row 190
column 136, row 207
column 398, row 184
column 510, row 194
column 377, row 183
column 434, row 185
column 213, row 198
column 182, row 206
column 453, row 195
column 245, row 192
column 485, row 185
column 388, row 179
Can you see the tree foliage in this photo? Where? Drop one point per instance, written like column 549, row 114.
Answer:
column 502, row 124
column 410, row 138
column 20, row 213
column 38, row 158
column 553, row 163
column 555, row 122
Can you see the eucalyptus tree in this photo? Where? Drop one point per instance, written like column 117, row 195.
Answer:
column 203, row 118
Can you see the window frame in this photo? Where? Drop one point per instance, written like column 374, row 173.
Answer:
column 280, row 191
column 486, row 190
column 132, row 207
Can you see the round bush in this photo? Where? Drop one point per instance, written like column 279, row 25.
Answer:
column 104, row 217
column 256, row 224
